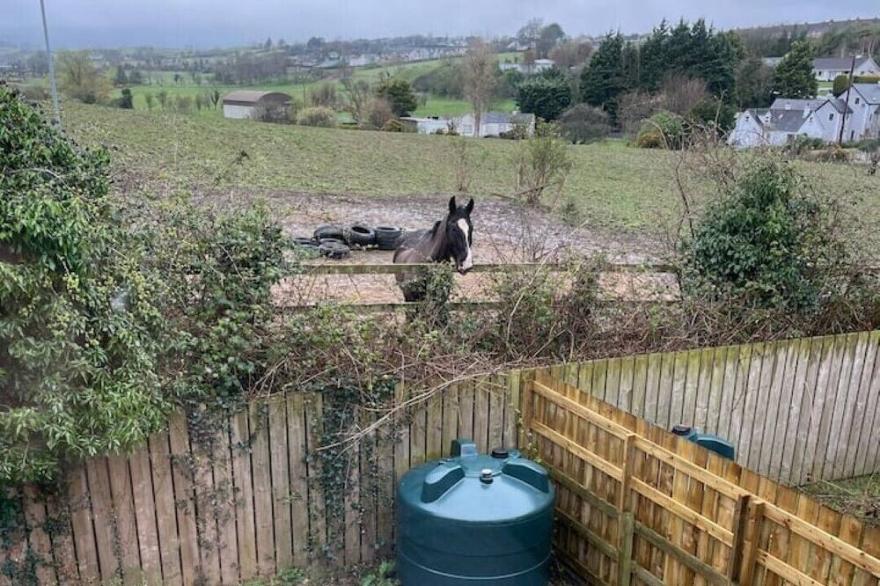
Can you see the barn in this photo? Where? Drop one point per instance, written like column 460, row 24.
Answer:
column 256, row 105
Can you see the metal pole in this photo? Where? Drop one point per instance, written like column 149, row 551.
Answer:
column 846, row 103
column 57, row 118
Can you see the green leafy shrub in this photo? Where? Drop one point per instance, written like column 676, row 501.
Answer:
column 582, row 124
column 714, row 114
column 766, row 243
column 81, row 329
column 317, row 116
column 545, row 96
column 663, row 130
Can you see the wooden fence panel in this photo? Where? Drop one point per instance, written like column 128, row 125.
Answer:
column 697, row 519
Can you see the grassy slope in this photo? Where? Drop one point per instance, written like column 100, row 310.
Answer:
column 611, row 184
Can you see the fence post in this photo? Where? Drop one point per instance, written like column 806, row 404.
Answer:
column 740, row 525
column 625, row 520
column 750, row 551
column 525, row 406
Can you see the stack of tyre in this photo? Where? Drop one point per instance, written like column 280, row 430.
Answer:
column 337, row 242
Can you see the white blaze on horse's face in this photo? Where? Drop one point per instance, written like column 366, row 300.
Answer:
column 468, row 261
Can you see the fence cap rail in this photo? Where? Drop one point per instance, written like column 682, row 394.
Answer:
column 327, row 268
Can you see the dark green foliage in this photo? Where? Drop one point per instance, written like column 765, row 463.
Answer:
column 447, row 80
column 663, row 130
column 550, row 36
column 602, row 81
column 399, row 94
column 841, row 84
column 713, row 113
column 545, row 96
column 766, row 243
column 81, row 330
column 582, row 124
column 754, row 82
column 125, row 102
column 794, row 77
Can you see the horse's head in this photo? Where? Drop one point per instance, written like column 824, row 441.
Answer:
column 460, row 235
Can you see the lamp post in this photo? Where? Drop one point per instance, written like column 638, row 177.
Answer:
column 57, row 117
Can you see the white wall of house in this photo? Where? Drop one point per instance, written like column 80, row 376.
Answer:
column 748, row 132
column 237, row 111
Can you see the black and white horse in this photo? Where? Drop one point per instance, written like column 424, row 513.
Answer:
column 449, row 240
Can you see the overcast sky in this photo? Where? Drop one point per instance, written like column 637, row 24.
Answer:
column 208, row 23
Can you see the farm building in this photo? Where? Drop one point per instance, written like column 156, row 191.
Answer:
column 491, row 124
column 256, row 105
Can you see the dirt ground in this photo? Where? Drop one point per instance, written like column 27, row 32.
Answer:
column 504, row 231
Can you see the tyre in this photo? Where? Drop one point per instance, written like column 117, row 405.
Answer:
column 331, row 241
column 360, row 235
column 387, row 236
column 299, row 241
column 329, row 231
column 334, row 250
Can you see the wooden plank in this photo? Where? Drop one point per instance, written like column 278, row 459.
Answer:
column 224, row 506
column 481, row 415
column 611, row 394
column 728, row 392
column 674, row 572
column 740, row 395
column 145, row 515
column 497, row 401
column 823, row 406
column 386, row 494
column 751, row 548
column 369, row 486
column 434, row 427
column 449, row 431
column 802, row 461
column 757, row 408
column 652, row 387
column 244, row 495
column 691, row 387
column 840, row 390
column 627, row 381
column 166, row 509
column 298, row 467
column 400, row 430
column 466, row 410
column 640, row 385
column 679, row 463
column 715, row 391
column 125, row 538
column 839, row 454
column 784, row 463
column 182, row 464
column 595, row 539
column 682, row 557
column 418, row 435
column 679, row 382
column 264, row 521
column 789, row 574
column 58, row 513
column 703, row 390
column 205, row 511
column 872, row 455
column 352, row 503
column 773, row 424
column 593, row 417
column 842, row 572
column 102, row 514
column 314, row 417
column 512, row 409
column 861, row 435
column 590, row 457
column 39, row 543
column 280, row 481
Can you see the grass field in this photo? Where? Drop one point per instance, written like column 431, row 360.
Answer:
column 611, row 184
column 857, row 496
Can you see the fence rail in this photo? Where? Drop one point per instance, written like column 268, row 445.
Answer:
column 334, row 268
column 638, row 504
column 252, row 499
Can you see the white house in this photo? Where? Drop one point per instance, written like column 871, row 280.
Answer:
column 253, row 104
column 864, row 101
column 537, row 66
column 428, row 125
column 828, row 68
column 786, row 119
column 491, row 124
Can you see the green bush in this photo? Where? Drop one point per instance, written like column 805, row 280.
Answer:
column 544, row 96
column 662, row 130
column 317, row 116
column 81, row 328
column 714, row 114
column 582, row 124
column 766, row 243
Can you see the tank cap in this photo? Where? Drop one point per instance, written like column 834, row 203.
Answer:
column 486, row 476
column 500, row 453
column 681, row 430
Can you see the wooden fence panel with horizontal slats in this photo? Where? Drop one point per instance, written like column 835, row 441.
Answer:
column 172, row 513
column 639, row 505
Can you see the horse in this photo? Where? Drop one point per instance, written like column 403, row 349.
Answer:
column 449, row 240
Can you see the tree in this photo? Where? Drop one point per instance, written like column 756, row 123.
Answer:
column 359, row 96
column 80, row 79
column 150, row 100
column 125, row 101
column 603, row 80
column 544, row 96
column 479, row 78
column 652, row 58
column 549, row 37
column 754, row 82
column 399, row 94
column 571, row 54
column 121, row 79
column 530, row 32
column 162, row 97
column 794, row 76
column 582, row 124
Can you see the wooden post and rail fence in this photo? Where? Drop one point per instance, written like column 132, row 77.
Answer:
column 636, row 505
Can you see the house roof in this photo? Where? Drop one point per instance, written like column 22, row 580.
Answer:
column 870, row 91
column 792, row 104
column 251, row 97
column 838, row 105
column 837, row 63
column 787, row 120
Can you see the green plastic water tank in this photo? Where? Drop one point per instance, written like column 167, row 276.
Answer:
column 475, row 519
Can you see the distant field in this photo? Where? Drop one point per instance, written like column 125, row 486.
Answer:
column 611, row 184
column 435, row 106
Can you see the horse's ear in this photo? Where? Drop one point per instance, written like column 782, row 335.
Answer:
column 452, row 206
column 469, row 207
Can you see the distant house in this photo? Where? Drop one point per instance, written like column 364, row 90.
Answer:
column 828, row 68
column 538, row 66
column 253, row 104
column 495, row 124
column 491, row 124
column 864, row 101
column 788, row 119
